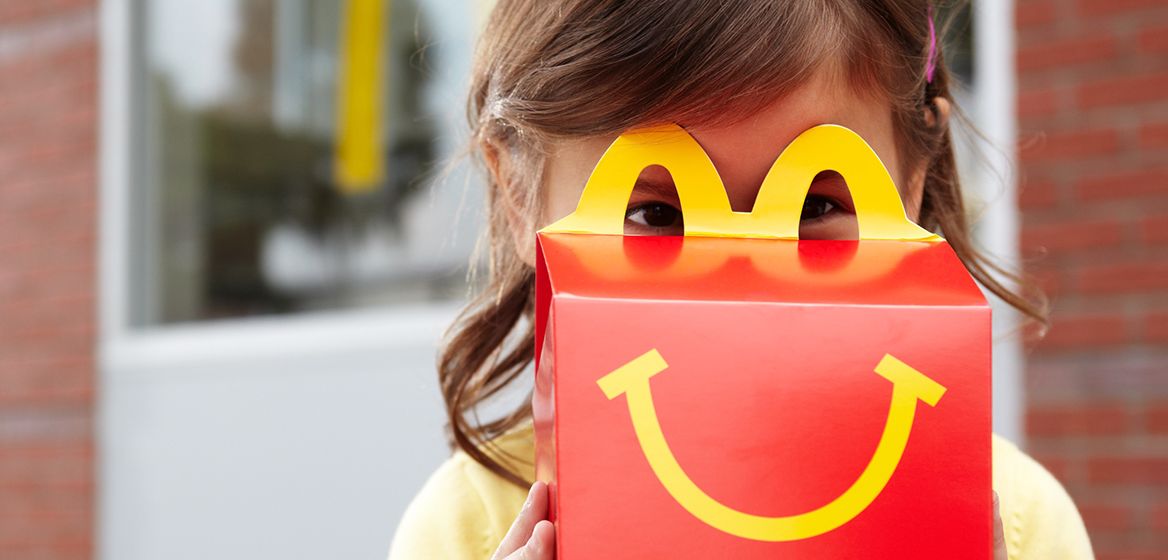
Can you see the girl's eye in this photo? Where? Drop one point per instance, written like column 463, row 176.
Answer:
column 817, row 207
column 655, row 216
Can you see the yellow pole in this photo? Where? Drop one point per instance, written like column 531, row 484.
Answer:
column 359, row 154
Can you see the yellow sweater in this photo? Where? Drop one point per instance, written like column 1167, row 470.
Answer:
column 464, row 510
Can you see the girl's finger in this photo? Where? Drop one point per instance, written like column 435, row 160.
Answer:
column 999, row 533
column 534, row 509
column 542, row 544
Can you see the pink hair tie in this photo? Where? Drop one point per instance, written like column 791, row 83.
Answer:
column 931, row 61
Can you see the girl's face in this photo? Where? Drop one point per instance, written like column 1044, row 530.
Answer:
column 743, row 153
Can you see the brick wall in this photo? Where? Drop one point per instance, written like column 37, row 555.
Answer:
column 1093, row 118
column 48, row 73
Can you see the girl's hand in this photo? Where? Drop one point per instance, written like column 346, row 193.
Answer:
column 999, row 534
column 532, row 536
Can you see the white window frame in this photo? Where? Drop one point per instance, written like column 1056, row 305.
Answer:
column 122, row 342
column 995, row 89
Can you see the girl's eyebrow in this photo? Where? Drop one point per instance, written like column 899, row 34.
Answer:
column 655, row 188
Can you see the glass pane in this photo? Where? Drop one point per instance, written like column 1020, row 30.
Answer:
column 289, row 155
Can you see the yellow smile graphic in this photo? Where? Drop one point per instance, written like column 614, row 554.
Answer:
column 908, row 386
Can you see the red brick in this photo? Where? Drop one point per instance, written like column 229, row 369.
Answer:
column 1124, row 183
column 74, row 80
column 42, row 496
column 1078, row 420
column 36, row 162
column 49, row 464
column 1066, row 52
column 1154, row 229
column 1154, row 38
column 1058, row 465
column 1156, row 412
column 31, row 131
column 1108, row 7
column 1155, row 327
column 73, row 279
column 1052, row 281
column 28, row 313
column 1037, row 103
column 1070, row 145
column 1160, row 517
column 48, row 211
column 1108, row 344
column 69, row 338
column 60, row 253
column 1135, row 468
column 1133, row 276
column 1085, row 331
column 43, row 531
column 1037, row 194
column 14, row 12
column 57, row 381
column 1034, row 13
column 1124, row 90
column 1071, row 235
column 1125, row 551
column 61, row 197
column 1154, row 135
column 44, row 101
column 1109, row 515
column 1106, row 375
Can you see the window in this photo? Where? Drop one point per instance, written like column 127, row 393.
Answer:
column 289, row 155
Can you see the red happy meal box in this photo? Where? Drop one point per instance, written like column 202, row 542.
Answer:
column 738, row 393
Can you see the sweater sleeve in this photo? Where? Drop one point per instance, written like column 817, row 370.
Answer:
column 446, row 520
column 1039, row 519
column 464, row 510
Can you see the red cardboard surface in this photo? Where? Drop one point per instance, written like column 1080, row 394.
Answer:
column 769, row 402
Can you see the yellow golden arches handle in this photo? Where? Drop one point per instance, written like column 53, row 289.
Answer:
column 909, row 386
column 706, row 208
column 606, row 195
column 879, row 210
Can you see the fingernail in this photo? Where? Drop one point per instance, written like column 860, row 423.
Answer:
column 530, row 496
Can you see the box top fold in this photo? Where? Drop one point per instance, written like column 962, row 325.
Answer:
column 869, row 272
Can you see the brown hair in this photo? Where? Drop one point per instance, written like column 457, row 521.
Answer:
column 578, row 68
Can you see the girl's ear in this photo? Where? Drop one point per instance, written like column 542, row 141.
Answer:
column 519, row 218
column 936, row 116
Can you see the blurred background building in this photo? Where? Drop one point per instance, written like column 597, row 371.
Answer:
column 229, row 245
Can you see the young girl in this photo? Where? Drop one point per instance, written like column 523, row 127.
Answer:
column 556, row 81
